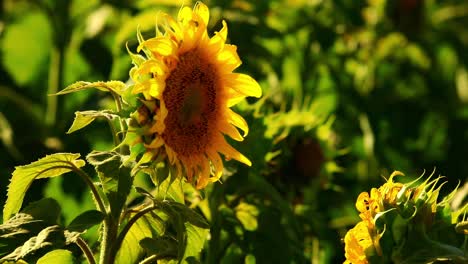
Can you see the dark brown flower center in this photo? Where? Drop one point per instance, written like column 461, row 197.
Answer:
column 190, row 97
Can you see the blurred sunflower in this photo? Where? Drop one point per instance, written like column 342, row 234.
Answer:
column 188, row 86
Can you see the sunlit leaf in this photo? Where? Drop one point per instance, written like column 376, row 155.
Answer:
column 111, row 86
column 247, row 214
column 47, row 167
column 131, row 251
column 57, row 256
column 84, row 118
column 196, row 237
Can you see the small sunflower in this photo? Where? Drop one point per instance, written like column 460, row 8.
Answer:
column 189, row 76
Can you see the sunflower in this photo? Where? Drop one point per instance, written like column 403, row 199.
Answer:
column 189, row 76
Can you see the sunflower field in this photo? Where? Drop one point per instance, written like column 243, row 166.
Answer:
column 233, row 131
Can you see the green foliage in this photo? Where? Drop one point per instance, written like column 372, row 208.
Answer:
column 57, row 256
column 50, row 166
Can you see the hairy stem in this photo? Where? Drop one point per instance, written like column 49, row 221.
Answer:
column 86, row 250
column 91, row 185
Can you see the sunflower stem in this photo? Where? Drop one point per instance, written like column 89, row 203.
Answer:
column 89, row 182
column 86, row 250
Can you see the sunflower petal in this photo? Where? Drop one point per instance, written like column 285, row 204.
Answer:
column 160, row 46
column 229, row 152
column 244, row 84
column 238, row 121
column 203, row 11
column 217, row 164
column 231, row 131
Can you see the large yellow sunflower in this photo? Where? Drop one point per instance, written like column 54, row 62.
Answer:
column 190, row 77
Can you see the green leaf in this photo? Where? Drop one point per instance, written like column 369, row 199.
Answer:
column 84, row 118
column 162, row 246
column 107, row 164
column 188, row 215
column 196, row 237
column 57, row 256
column 46, row 209
column 116, row 87
column 130, row 251
column 47, row 167
column 115, row 178
column 17, row 230
column 247, row 215
column 51, row 236
column 86, row 220
column 24, row 60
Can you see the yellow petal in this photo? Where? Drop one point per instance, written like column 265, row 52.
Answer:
column 185, row 15
column 203, row 11
column 363, row 202
column 220, row 36
column 151, row 66
column 238, row 121
column 173, row 28
column 160, row 45
column 229, row 57
column 229, row 152
column 203, row 175
column 244, row 84
column 217, row 163
column 234, row 98
column 231, row 131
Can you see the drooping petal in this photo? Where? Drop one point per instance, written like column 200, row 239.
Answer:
column 237, row 120
column 243, row 83
column 229, row 152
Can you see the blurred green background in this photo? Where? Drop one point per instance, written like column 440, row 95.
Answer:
column 352, row 91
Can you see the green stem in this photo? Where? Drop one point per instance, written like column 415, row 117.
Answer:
column 109, row 234
column 91, row 185
column 55, row 72
column 114, row 132
column 86, row 250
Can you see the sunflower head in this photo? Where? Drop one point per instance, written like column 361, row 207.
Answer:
column 398, row 224
column 186, row 85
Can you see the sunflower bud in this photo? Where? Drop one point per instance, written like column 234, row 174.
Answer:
column 406, row 223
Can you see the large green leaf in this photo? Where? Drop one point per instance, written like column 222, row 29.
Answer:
column 84, row 118
column 196, row 237
column 130, row 250
column 57, row 256
column 47, row 167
